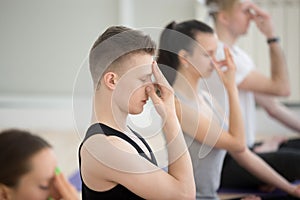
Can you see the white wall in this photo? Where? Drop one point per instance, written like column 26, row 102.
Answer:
column 43, row 42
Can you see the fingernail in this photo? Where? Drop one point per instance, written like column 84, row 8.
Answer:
column 57, row 171
column 148, row 89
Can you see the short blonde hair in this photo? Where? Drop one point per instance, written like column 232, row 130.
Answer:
column 113, row 45
column 214, row 6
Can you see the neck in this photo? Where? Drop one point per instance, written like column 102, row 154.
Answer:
column 106, row 112
column 225, row 35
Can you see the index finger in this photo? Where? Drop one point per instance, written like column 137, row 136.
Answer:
column 221, row 63
column 229, row 59
column 258, row 11
column 158, row 75
column 227, row 53
column 66, row 189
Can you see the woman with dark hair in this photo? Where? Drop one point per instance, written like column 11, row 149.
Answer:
column 186, row 54
column 28, row 169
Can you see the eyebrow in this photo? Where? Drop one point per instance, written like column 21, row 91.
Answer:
column 146, row 75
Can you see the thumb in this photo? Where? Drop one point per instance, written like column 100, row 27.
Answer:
column 152, row 94
column 157, row 102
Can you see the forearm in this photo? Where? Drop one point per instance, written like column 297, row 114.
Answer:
column 174, row 138
column 287, row 117
column 259, row 168
column 180, row 165
column 279, row 75
column 278, row 111
column 236, row 125
column 279, row 71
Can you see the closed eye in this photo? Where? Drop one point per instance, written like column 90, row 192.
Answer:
column 44, row 187
column 146, row 78
column 206, row 55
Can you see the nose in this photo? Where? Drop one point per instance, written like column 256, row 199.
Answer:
column 211, row 63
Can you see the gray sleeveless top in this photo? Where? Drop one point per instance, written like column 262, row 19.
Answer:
column 207, row 161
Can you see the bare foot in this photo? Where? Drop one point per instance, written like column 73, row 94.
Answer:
column 251, row 197
column 297, row 192
column 270, row 144
column 267, row 188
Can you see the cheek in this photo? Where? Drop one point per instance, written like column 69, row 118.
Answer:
column 122, row 92
column 237, row 19
column 243, row 18
column 30, row 192
column 130, row 94
column 127, row 87
column 202, row 64
column 138, row 93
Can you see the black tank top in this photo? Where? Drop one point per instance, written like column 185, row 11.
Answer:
column 119, row 191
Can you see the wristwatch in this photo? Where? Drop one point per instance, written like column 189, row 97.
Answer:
column 273, row 39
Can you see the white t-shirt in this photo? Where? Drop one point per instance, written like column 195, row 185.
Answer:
column 214, row 85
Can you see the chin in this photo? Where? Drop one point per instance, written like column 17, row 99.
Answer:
column 246, row 30
column 136, row 111
column 207, row 74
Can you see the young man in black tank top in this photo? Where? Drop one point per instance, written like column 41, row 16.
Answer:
column 114, row 162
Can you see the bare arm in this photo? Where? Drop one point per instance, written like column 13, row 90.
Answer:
column 180, row 165
column 278, row 111
column 278, row 83
column 264, row 172
column 205, row 127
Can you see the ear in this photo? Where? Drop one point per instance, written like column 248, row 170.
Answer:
column 223, row 17
column 110, row 79
column 5, row 192
column 183, row 56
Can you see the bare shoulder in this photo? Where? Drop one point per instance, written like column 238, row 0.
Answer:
column 102, row 157
column 102, row 147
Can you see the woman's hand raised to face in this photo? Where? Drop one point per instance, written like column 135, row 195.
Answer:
column 161, row 93
column 226, row 74
column 62, row 189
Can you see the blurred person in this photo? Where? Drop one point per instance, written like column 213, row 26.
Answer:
column 186, row 55
column 232, row 19
column 28, row 169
